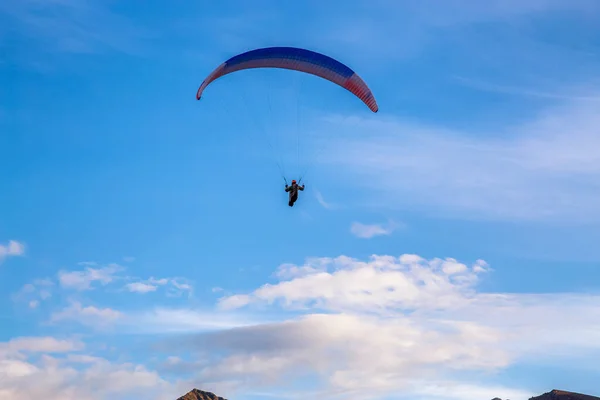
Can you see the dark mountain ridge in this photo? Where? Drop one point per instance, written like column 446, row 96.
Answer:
column 196, row 394
column 564, row 395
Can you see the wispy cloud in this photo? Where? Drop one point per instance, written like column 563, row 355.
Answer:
column 151, row 320
column 180, row 287
column 243, row 29
column 524, row 91
column 34, row 293
column 87, row 315
column 322, row 201
column 373, row 29
column 366, row 231
column 176, row 286
column 13, row 248
column 92, row 277
column 466, row 11
column 63, row 27
column 546, row 168
column 83, row 280
column 183, row 320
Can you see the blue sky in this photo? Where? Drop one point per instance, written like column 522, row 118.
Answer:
column 444, row 248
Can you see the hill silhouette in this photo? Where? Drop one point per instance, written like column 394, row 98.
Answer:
column 196, row 394
column 564, row 395
column 555, row 394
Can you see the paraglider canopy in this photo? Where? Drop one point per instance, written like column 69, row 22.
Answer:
column 297, row 59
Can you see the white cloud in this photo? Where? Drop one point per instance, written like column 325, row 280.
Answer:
column 139, row 287
column 383, row 284
column 366, row 327
column 88, row 315
column 480, row 266
column 234, row 301
column 83, row 358
column 13, row 248
column 365, row 231
column 45, row 344
column 361, row 355
column 29, row 372
column 538, row 170
column 312, row 265
column 11, row 369
column 177, row 286
column 393, row 324
column 83, row 280
column 162, row 281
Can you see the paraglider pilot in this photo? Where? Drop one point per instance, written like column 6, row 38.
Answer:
column 293, row 190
